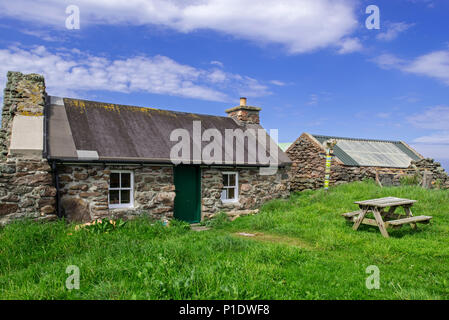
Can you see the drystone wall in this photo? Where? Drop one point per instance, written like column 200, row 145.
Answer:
column 440, row 178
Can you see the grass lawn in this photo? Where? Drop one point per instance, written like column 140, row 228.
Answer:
column 303, row 249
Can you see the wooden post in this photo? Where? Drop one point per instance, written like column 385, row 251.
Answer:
column 409, row 213
column 427, row 180
column 360, row 218
column 377, row 179
column 380, row 222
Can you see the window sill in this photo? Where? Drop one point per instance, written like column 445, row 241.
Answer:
column 234, row 201
column 112, row 207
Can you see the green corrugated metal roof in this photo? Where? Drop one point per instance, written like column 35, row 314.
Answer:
column 370, row 152
column 284, row 145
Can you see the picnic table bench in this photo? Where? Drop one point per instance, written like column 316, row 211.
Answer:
column 382, row 218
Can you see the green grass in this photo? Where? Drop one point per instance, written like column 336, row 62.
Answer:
column 303, row 249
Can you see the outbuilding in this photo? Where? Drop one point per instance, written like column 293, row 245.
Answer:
column 355, row 159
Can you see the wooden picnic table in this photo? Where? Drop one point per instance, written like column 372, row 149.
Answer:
column 382, row 218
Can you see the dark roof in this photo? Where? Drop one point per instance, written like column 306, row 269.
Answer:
column 371, row 152
column 95, row 131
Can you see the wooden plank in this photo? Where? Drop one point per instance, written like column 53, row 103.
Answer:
column 360, row 218
column 409, row 213
column 393, row 216
column 411, row 220
column 370, row 222
column 380, row 223
column 386, row 202
column 378, row 200
column 351, row 214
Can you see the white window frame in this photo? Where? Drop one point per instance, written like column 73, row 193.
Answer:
column 236, row 193
column 131, row 190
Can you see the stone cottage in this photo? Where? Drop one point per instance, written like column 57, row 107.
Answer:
column 85, row 160
column 355, row 160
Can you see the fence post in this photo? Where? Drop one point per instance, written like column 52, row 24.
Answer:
column 427, row 180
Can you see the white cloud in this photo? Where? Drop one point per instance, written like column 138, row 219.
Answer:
column 313, row 100
column 44, row 35
column 71, row 72
column 435, row 151
column 393, row 31
column 409, row 97
column 217, row 63
column 441, row 138
column 319, row 97
column 435, row 144
column 350, row 45
column 299, row 25
column 278, row 83
column 434, row 118
column 388, row 61
column 434, row 64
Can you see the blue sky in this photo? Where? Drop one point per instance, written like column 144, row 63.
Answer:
column 312, row 66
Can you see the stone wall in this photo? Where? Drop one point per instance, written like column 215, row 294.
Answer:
column 254, row 190
column 440, row 178
column 84, row 191
column 26, row 183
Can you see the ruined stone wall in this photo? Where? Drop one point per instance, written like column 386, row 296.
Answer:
column 254, row 190
column 84, row 191
column 26, row 186
column 440, row 178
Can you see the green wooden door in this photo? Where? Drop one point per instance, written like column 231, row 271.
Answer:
column 188, row 193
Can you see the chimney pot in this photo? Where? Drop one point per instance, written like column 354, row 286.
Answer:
column 244, row 114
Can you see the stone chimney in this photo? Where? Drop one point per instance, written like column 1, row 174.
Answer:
column 26, row 182
column 244, row 114
column 23, row 116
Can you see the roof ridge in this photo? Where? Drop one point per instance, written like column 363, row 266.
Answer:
column 354, row 139
column 141, row 107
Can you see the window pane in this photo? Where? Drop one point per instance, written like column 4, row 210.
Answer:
column 125, row 197
column 224, row 194
column 231, row 193
column 232, row 180
column 225, row 180
column 115, row 180
column 126, row 180
column 114, row 197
